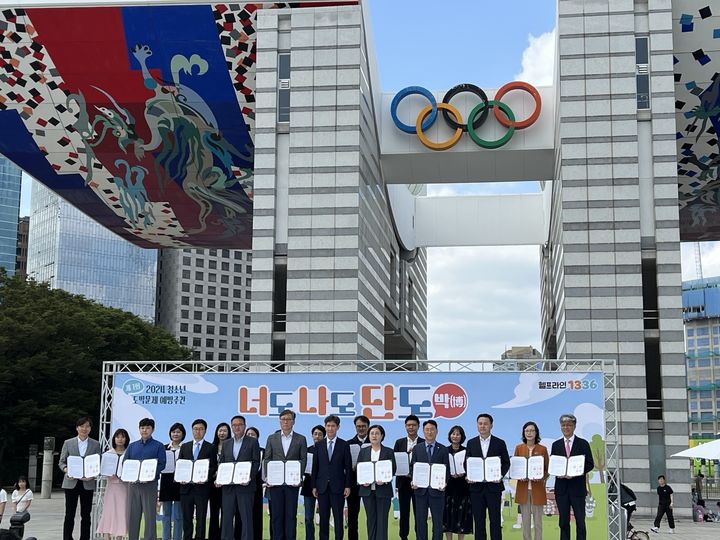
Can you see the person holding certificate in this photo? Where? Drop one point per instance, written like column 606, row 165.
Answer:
column 172, row 521
column 222, row 432
column 530, row 492
column 430, row 495
column 486, row 495
column 113, row 520
column 244, row 453
column 285, row 446
column 258, row 496
column 570, row 492
column 377, row 495
column 406, row 495
column 317, row 434
column 361, row 423
column 331, row 476
column 142, row 496
column 78, row 488
column 457, row 517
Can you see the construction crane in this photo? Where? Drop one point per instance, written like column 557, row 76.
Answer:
column 698, row 261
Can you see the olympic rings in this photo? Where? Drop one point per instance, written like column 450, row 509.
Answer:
column 427, row 116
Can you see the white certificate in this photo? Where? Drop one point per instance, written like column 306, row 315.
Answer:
column 558, row 466
column 148, row 468
column 275, row 472
column 224, row 474
column 92, row 465
column 75, row 467
column 365, row 473
column 421, row 475
column 402, row 462
column 169, row 461
column 457, row 463
column 438, row 476
column 536, row 468
column 110, row 464
column 475, row 469
column 354, row 453
column 575, row 467
column 518, row 468
column 241, row 475
column 309, row 464
column 293, row 473
column 383, row 471
column 130, row 470
column 201, row 471
column 493, row 469
column 183, row 470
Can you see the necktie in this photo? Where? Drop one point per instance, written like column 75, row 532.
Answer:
column 430, row 448
column 330, row 449
column 196, row 451
column 567, row 447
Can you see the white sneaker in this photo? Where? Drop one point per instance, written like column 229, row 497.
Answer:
column 655, row 529
column 671, row 531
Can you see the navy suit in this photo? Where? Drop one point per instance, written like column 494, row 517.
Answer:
column 331, row 475
column 571, row 492
column 238, row 500
column 430, row 498
column 194, row 497
column 406, row 495
column 377, row 501
column 487, row 496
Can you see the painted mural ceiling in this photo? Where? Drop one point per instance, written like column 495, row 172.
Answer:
column 142, row 117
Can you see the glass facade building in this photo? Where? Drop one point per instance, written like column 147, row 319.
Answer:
column 10, row 180
column 70, row 251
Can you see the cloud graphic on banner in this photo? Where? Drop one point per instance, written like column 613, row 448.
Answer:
column 526, row 392
column 126, row 413
column 193, row 383
column 590, row 420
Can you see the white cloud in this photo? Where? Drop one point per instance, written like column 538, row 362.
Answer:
column 126, row 413
column 710, row 256
column 590, row 420
column 538, row 60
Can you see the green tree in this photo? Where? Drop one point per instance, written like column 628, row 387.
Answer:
column 52, row 348
column 597, row 445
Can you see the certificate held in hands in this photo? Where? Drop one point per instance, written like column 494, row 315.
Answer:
column 234, row 473
column 283, row 473
column 134, row 470
column 111, row 464
column 484, row 470
column 402, row 464
column 189, row 471
column 522, row 468
column 369, row 472
column 570, row 467
column 87, row 467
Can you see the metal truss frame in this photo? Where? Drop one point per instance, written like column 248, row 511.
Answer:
column 607, row 367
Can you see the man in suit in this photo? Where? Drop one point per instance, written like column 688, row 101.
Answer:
column 331, row 477
column 285, row 445
column 486, row 497
column 406, row 495
column 237, row 500
column 571, row 492
column 362, row 423
column 82, row 488
column 194, row 497
column 309, row 501
column 430, row 451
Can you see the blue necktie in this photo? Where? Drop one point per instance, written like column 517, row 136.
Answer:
column 330, row 449
column 196, row 451
column 429, row 448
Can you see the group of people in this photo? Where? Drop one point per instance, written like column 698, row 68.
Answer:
column 457, row 505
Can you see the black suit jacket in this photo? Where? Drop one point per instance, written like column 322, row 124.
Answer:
column 574, row 487
column 333, row 474
column 403, row 482
column 386, row 490
column 207, row 451
column 249, row 451
column 306, row 489
column 440, row 455
column 497, row 448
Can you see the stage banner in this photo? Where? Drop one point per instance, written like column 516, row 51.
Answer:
column 451, row 398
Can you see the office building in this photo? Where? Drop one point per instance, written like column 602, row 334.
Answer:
column 10, row 180
column 22, row 246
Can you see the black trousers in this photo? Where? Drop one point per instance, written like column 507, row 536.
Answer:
column 353, row 504
column 258, row 512
column 406, row 496
column 71, row 502
column 194, row 504
column 436, row 505
column 331, row 501
column 283, row 516
column 237, row 504
column 664, row 509
column 377, row 510
column 490, row 503
column 564, row 503
column 215, row 507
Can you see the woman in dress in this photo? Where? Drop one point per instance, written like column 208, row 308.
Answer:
column 378, row 495
column 222, row 432
column 22, row 497
column 114, row 518
column 172, row 523
column 257, row 512
column 530, row 494
column 457, row 517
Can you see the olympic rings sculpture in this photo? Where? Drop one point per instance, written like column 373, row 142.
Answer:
column 504, row 114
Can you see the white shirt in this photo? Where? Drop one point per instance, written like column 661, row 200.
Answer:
column 82, row 446
column 571, row 440
column 3, row 496
column 286, row 440
column 485, row 445
column 237, row 445
column 374, row 456
column 411, row 443
column 22, row 501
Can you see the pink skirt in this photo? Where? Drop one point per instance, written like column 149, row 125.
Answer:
column 114, row 518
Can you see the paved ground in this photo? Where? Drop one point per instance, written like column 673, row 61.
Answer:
column 47, row 517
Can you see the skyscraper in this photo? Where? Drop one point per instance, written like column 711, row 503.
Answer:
column 10, row 180
column 23, row 228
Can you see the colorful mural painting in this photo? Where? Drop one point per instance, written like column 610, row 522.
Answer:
column 696, row 59
column 142, row 117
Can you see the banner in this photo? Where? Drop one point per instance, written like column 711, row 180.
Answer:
column 451, row 398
